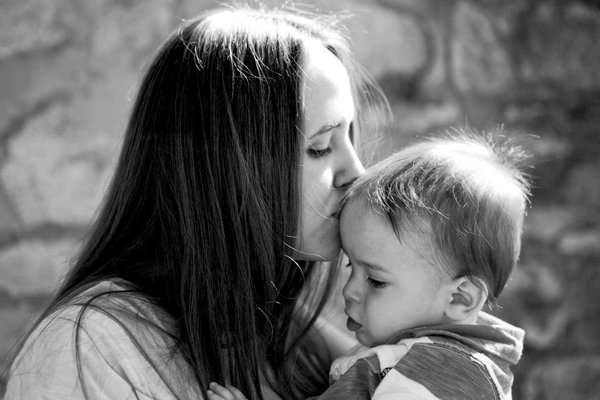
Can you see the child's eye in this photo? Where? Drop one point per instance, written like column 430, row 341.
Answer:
column 375, row 283
column 318, row 153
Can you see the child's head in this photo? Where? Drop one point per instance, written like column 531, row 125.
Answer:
column 432, row 233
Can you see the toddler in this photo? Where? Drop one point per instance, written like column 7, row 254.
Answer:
column 432, row 234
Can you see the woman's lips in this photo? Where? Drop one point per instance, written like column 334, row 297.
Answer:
column 352, row 325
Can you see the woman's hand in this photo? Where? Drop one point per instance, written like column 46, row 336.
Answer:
column 218, row 392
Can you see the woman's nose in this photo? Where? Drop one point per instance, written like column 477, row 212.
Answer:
column 350, row 167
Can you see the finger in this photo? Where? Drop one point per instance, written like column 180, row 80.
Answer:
column 332, row 368
column 221, row 391
column 348, row 363
column 238, row 395
column 213, row 396
column 335, row 374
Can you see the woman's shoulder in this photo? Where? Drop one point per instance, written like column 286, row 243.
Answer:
column 119, row 301
column 109, row 312
column 108, row 335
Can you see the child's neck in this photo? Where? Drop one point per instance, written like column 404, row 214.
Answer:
column 470, row 319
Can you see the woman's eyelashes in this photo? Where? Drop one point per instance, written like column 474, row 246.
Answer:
column 318, row 153
column 326, row 144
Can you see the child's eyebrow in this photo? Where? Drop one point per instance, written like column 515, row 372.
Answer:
column 372, row 266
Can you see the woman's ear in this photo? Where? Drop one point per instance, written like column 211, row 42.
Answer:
column 466, row 299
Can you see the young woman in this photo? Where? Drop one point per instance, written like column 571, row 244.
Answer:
column 227, row 192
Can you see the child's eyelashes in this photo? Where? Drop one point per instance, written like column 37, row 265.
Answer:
column 375, row 283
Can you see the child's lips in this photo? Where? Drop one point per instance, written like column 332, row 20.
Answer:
column 352, row 325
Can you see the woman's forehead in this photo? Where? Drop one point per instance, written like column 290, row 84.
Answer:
column 326, row 91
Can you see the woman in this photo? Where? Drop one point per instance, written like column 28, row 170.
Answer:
column 237, row 153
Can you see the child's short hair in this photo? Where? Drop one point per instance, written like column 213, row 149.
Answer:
column 468, row 192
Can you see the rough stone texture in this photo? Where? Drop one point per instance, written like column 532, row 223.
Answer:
column 131, row 30
column 54, row 175
column 10, row 223
column 583, row 184
column 551, row 382
column 479, row 62
column 34, row 266
column 384, row 42
column 29, row 86
column 547, row 223
column 580, row 243
column 561, row 41
column 69, row 71
column 14, row 322
column 389, row 42
column 28, row 25
column 186, row 9
column 425, row 117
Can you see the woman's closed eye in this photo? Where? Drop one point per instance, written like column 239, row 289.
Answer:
column 318, row 153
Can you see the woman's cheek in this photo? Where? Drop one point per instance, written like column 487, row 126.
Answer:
column 318, row 230
column 317, row 186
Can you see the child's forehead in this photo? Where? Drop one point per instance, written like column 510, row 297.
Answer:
column 414, row 231
column 413, row 226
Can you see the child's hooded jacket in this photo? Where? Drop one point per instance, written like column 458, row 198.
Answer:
column 438, row 362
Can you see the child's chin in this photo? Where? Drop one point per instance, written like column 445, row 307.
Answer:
column 368, row 340
column 363, row 339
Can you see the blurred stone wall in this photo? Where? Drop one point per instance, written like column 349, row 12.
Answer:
column 69, row 70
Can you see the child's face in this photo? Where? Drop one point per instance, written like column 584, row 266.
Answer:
column 392, row 285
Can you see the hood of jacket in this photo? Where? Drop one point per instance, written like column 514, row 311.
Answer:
column 497, row 340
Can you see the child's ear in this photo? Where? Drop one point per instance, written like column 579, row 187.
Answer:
column 466, row 299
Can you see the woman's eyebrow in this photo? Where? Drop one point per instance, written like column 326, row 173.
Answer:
column 326, row 128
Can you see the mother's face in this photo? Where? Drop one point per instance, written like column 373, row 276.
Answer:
column 329, row 162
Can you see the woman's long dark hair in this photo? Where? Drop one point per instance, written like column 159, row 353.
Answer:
column 203, row 207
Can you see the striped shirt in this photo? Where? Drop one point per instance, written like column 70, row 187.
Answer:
column 439, row 362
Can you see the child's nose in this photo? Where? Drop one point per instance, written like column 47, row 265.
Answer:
column 351, row 291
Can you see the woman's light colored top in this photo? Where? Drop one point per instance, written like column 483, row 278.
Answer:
column 124, row 350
